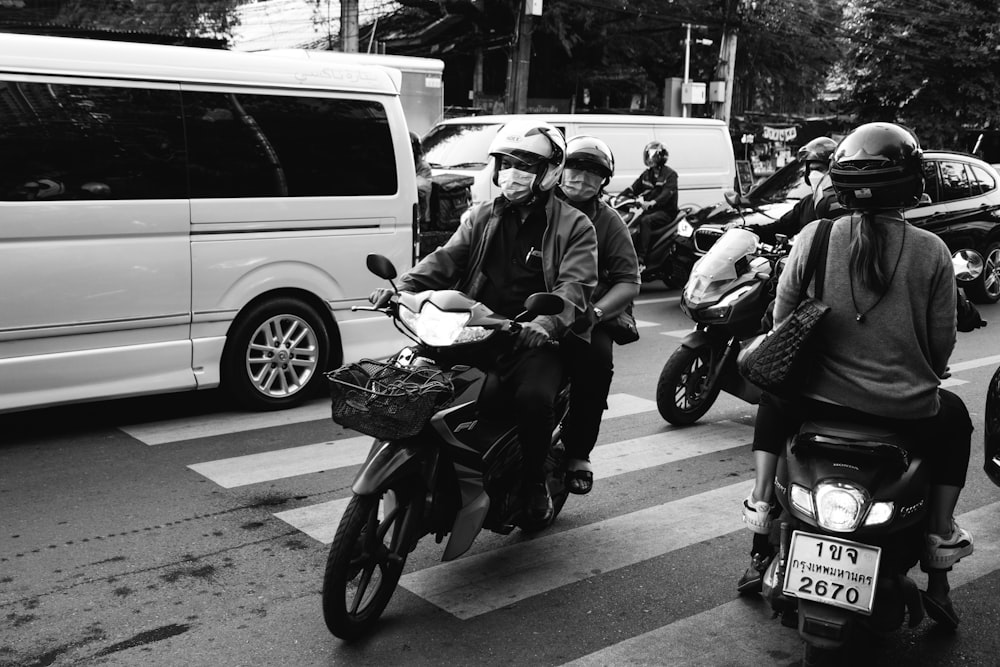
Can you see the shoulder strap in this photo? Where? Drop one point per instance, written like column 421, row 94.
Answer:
column 816, row 261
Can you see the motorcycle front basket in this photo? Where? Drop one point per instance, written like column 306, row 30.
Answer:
column 386, row 401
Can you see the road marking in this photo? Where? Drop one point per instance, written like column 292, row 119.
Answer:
column 641, row 324
column 952, row 382
column 625, row 405
column 283, row 463
column 974, row 363
column 485, row 582
column 679, row 333
column 741, row 631
column 320, row 521
column 222, row 423
column 665, row 299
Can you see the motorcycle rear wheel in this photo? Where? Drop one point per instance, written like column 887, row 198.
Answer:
column 365, row 562
column 684, row 392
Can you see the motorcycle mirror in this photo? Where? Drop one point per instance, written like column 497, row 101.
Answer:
column 968, row 265
column 381, row 266
column 543, row 303
column 732, row 198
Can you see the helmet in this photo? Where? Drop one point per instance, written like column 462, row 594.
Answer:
column 819, row 149
column 655, row 154
column 592, row 151
column 877, row 166
column 532, row 142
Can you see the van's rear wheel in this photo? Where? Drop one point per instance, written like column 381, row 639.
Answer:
column 275, row 354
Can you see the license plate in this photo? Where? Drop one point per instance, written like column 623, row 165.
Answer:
column 832, row 571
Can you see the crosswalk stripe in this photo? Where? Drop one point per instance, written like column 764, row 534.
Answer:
column 643, row 324
column 282, row 463
column 625, row 405
column 678, row 333
column 739, row 632
column 320, row 521
column 974, row 363
column 482, row 583
column 222, row 423
column 664, row 299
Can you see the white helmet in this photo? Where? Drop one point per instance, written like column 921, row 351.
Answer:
column 532, row 142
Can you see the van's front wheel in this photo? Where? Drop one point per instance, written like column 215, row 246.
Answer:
column 276, row 351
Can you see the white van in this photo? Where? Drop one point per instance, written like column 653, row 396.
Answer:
column 179, row 218
column 700, row 150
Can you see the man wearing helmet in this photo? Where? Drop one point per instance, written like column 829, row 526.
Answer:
column 821, row 202
column 503, row 251
column 589, row 167
column 656, row 188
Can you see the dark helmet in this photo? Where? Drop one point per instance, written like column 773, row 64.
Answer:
column 655, row 154
column 819, row 149
column 591, row 151
column 991, row 438
column 877, row 166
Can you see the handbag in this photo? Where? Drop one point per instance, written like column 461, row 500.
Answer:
column 777, row 361
column 622, row 328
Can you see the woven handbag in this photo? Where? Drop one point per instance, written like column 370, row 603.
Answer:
column 777, row 361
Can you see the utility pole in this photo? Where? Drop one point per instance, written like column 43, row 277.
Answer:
column 349, row 26
column 519, row 65
column 726, row 68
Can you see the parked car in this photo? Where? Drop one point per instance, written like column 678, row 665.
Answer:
column 962, row 207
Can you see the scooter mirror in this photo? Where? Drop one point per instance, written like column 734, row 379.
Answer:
column 381, row 266
column 968, row 265
column 543, row 303
column 732, row 198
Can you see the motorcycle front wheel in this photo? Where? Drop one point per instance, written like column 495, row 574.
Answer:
column 685, row 391
column 366, row 559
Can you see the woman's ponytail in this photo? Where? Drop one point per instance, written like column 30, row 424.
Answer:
column 867, row 242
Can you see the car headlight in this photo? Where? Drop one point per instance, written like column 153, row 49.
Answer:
column 684, row 228
column 434, row 326
column 840, row 507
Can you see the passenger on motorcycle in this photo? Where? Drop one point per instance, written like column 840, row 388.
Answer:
column 883, row 346
column 503, row 251
column 821, row 202
column 657, row 189
column 589, row 168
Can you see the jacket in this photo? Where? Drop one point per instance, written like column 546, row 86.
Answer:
column 569, row 259
column 660, row 188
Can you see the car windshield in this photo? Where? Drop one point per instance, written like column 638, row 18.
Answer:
column 782, row 185
column 459, row 146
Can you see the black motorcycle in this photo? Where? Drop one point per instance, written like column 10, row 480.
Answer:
column 854, row 501
column 726, row 296
column 661, row 256
column 444, row 461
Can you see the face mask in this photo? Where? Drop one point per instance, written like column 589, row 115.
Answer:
column 581, row 185
column 515, row 184
column 819, row 181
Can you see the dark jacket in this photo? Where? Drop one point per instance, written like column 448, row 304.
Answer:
column 805, row 211
column 569, row 259
column 658, row 186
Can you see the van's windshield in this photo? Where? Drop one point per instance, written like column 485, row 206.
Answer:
column 459, row 146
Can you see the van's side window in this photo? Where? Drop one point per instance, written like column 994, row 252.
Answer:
column 249, row 145
column 66, row 142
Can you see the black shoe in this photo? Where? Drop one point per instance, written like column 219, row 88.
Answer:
column 752, row 580
column 539, row 503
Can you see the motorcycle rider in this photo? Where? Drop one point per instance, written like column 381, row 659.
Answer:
column 884, row 344
column 525, row 241
column 656, row 188
column 821, row 202
column 589, row 168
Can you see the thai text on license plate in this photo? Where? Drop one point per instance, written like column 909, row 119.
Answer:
column 832, row 571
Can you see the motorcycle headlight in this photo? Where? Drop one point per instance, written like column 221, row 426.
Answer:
column 437, row 327
column 879, row 513
column 684, row 228
column 840, row 507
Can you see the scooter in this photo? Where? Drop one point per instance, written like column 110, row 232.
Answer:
column 854, row 502
column 661, row 261
column 445, row 461
column 726, row 296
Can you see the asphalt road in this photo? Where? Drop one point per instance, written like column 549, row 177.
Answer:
column 168, row 531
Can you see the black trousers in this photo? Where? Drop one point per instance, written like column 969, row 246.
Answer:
column 530, row 380
column 590, row 367
column 647, row 223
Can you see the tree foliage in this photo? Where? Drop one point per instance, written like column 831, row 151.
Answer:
column 188, row 18
column 933, row 65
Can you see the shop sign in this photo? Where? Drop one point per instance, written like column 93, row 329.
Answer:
column 779, row 133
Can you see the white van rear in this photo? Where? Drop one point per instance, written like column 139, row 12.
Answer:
column 700, row 150
column 179, row 218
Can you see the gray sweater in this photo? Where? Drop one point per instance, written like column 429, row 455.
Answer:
column 890, row 363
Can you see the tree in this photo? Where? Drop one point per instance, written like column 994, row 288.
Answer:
column 188, row 18
column 932, row 65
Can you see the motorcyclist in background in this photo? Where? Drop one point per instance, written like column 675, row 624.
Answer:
column 656, row 189
column 589, row 168
column 821, row 202
column 523, row 242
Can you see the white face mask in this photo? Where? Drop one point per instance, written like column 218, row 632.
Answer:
column 819, row 180
column 515, row 184
column 581, row 185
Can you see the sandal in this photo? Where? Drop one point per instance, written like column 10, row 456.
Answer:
column 579, row 482
column 942, row 612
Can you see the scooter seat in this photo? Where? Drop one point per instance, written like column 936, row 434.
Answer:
column 852, row 440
